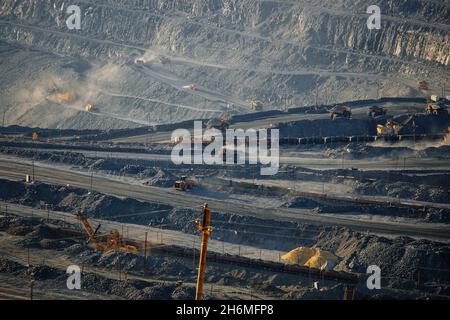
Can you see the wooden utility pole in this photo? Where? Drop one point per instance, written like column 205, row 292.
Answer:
column 205, row 228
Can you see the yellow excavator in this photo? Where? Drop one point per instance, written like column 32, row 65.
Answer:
column 114, row 240
column 392, row 128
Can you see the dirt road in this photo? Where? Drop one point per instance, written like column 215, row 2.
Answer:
column 12, row 169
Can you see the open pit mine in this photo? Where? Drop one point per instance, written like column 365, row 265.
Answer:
column 349, row 100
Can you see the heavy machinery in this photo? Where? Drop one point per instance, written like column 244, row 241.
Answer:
column 194, row 140
column 422, row 85
column 34, row 136
column 341, row 112
column 392, row 128
column 140, row 62
column 255, row 105
column 110, row 242
column 88, row 107
column 376, row 111
column 437, row 106
column 164, row 60
column 192, row 87
column 184, row 184
column 222, row 123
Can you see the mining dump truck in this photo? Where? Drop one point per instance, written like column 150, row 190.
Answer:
column 437, row 106
column 184, row 184
column 89, row 107
column 376, row 111
column 422, row 85
column 192, row 87
column 140, row 62
column 255, row 105
column 341, row 112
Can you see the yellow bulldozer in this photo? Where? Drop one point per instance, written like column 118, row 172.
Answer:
column 113, row 241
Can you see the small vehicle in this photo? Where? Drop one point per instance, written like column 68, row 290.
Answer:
column 341, row 112
column 184, row 184
column 376, row 111
column 140, row 62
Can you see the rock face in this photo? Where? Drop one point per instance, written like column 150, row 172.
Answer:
column 283, row 54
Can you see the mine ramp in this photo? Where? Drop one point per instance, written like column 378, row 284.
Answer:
column 213, row 257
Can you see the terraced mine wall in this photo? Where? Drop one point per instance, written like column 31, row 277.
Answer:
column 321, row 109
column 279, row 53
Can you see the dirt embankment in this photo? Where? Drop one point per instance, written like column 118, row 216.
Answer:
column 173, row 274
column 400, row 258
column 68, row 199
column 405, row 190
column 401, row 261
column 337, row 206
column 404, row 262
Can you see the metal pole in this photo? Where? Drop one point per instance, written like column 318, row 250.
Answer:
column 193, row 254
column 145, row 253
column 118, row 263
column 31, row 289
column 92, row 175
column 206, row 231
